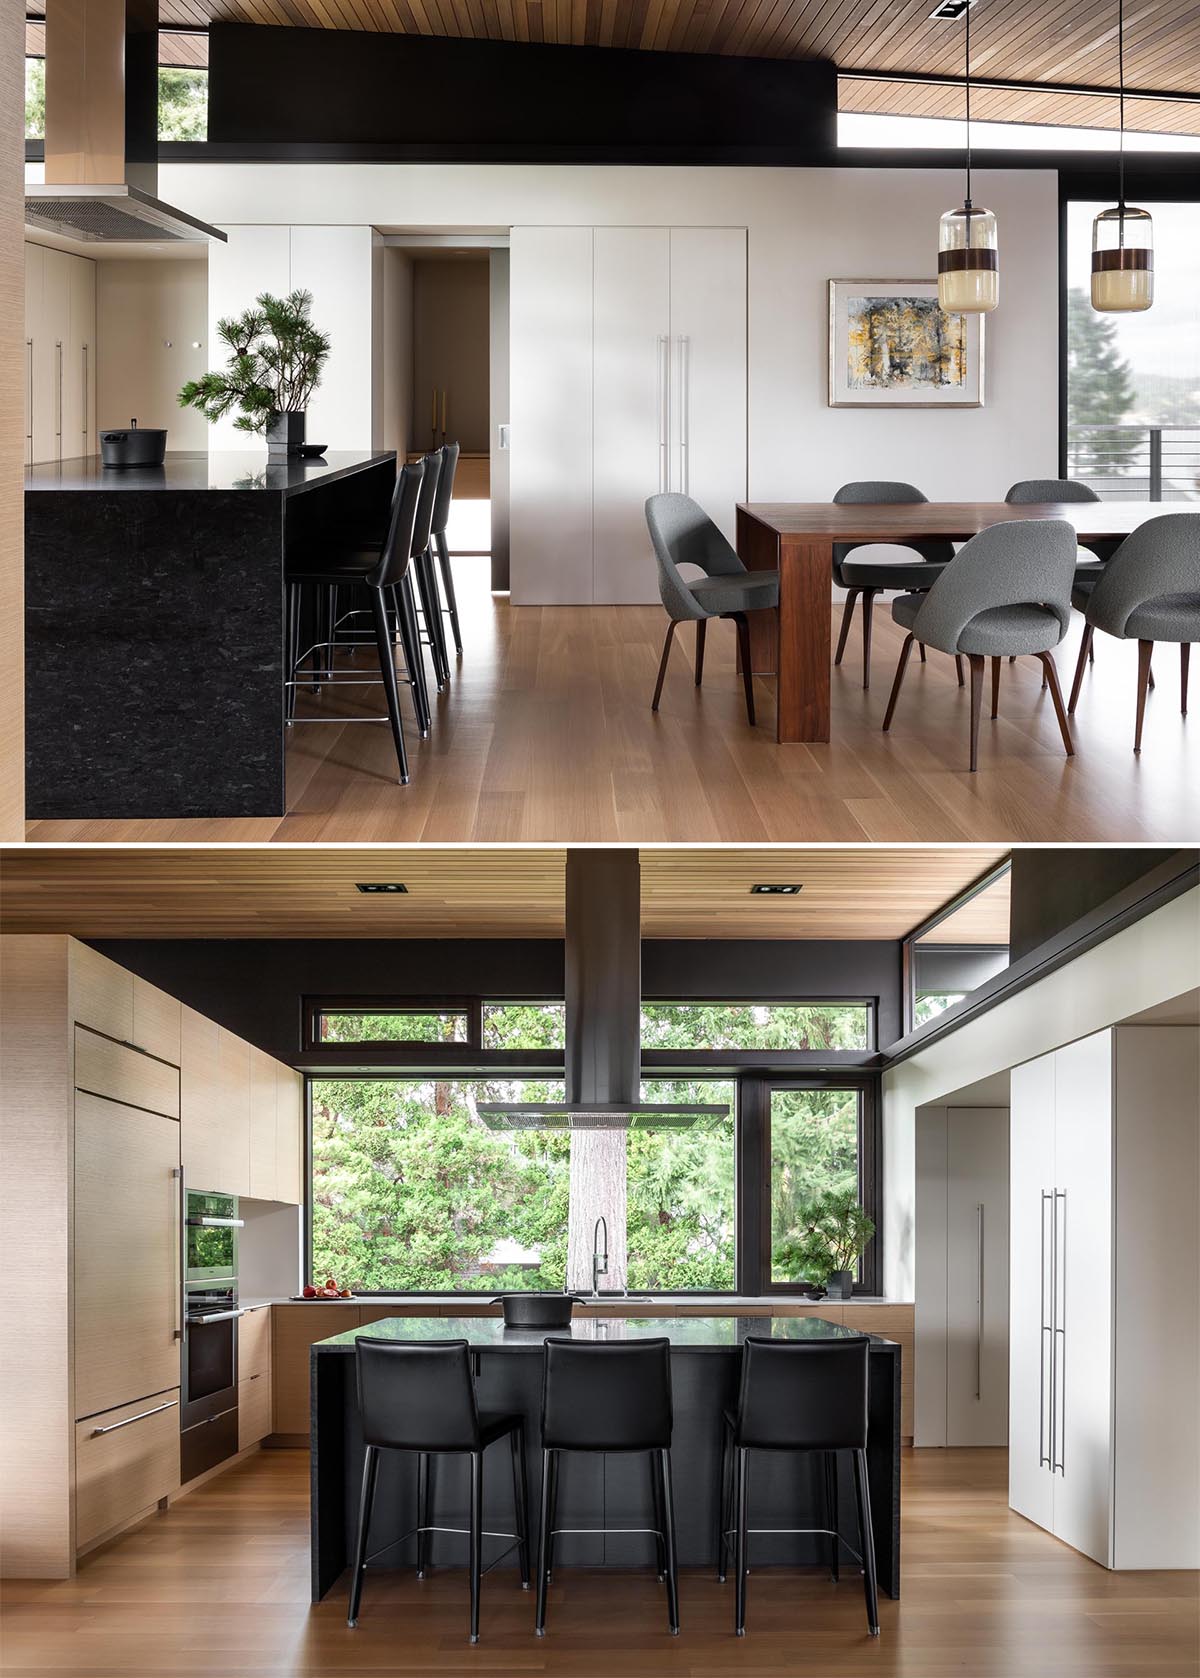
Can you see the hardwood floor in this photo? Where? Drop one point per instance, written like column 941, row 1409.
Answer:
column 546, row 734
column 217, row 1587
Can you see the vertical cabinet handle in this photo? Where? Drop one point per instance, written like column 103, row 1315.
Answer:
column 664, row 413
column 684, row 404
column 58, row 433
column 29, row 433
column 1059, row 1424
column 1046, row 1329
column 85, row 398
column 979, row 1301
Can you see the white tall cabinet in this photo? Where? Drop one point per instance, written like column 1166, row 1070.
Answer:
column 628, row 377
column 60, row 355
column 1104, row 1433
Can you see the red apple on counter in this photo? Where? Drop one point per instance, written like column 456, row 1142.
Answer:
column 310, row 1292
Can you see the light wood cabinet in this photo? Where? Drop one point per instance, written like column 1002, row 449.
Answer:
column 127, row 1254
column 123, row 1074
column 156, row 1021
column 254, row 1409
column 126, row 1461
column 233, row 1112
column 294, row 1328
column 254, row 1342
column 60, row 340
column 199, row 1103
column 289, row 1135
column 264, row 1171
column 101, row 993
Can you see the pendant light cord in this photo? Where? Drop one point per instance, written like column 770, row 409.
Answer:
column 967, row 78
column 1121, row 109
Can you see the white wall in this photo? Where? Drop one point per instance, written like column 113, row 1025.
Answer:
column 396, row 294
column 806, row 226
column 149, row 315
column 337, row 265
column 1147, row 964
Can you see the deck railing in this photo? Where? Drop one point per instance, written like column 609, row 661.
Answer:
column 1136, row 462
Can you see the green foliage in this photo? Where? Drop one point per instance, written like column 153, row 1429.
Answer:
column 814, row 1148
column 182, row 103
column 831, row 1234
column 1099, row 386
column 35, row 98
column 393, row 1028
column 723, row 1025
column 276, row 364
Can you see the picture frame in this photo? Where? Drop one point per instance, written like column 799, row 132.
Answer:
column 891, row 346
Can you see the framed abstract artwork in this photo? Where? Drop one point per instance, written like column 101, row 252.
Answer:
column 891, row 346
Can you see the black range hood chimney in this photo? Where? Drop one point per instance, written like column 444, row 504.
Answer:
column 603, row 1008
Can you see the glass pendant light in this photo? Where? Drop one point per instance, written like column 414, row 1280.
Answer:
column 1122, row 238
column 968, row 257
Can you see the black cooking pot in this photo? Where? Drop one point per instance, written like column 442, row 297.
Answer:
column 536, row 1310
column 133, row 447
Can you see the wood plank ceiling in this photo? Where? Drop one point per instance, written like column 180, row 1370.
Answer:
column 309, row 892
column 1071, row 41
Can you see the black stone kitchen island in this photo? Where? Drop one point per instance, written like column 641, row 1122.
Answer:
column 615, row 1489
column 154, row 626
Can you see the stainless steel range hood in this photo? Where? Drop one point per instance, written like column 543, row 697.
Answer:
column 603, row 996
column 102, row 129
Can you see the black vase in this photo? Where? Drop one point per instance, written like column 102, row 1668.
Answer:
column 285, row 434
column 840, row 1284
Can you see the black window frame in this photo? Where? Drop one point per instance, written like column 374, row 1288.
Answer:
column 908, row 975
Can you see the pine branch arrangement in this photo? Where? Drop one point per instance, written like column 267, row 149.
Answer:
column 275, row 365
column 831, row 1234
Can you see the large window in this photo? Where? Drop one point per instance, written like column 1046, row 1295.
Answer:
column 814, row 1150
column 957, row 950
column 756, row 1025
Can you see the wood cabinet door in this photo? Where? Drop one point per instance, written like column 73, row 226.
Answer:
column 34, row 278
column 201, row 1131
column 156, row 1021
column 79, row 373
column 289, row 1136
column 254, row 1342
column 127, row 1254
column 254, row 1409
column 294, row 1328
column 126, row 1460
column 708, row 399
column 101, row 993
column 233, row 1091
column 122, row 1073
column 977, row 1276
column 263, row 1170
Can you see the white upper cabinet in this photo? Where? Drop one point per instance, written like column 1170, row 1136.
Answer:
column 60, row 346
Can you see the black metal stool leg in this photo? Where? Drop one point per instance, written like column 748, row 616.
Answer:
column 293, row 647
column 543, row 1567
column 370, row 1475
column 414, row 656
column 422, row 1513
column 476, row 1539
column 739, row 1611
column 831, row 1510
column 520, row 1502
column 723, row 1521
column 660, row 1540
column 866, row 1540
column 432, row 610
column 443, row 553
column 387, row 667
column 668, row 1506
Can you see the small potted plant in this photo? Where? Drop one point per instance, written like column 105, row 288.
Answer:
column 275, row 366
column 830, row 1237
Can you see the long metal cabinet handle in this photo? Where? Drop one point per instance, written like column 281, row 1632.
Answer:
column 1060, row 1333
column 684, row 406
column 662, row 349
column 202, row 1318
column 129, row 1420
column 29, row 433
column 1044, row 1329
column 58, row 433
column 979, row 1300
column 85, row 393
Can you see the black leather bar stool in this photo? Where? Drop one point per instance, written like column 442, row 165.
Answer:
column 798, row 1395
column 613, row 1396
column 441, row 548
column 381, row 571
column 419, row 1396
column 422, row 553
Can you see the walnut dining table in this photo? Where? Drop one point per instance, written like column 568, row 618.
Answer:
column 797, row 539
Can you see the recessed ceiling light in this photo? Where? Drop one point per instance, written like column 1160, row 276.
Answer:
column 379, row 885
column 774, row 891
column 951, row 10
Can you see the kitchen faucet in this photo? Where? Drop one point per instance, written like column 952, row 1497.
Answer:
column 599, row 1255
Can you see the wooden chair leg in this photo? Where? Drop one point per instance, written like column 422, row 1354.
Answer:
column 975, row 660
column 868, row 616
column 1085, row 653
column 1145, row 654
column 905, row 650
column 958, row 669
column 1051, row 681
column 995, row 688
column 743, row 630
column 662, row 667
column 701, row 626
column 847, row 620
column 1185, row 650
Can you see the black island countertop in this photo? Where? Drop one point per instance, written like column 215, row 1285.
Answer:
column 155, row 625
column 186, row 471
column 610, row 1489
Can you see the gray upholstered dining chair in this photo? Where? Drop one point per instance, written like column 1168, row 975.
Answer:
column 683, row 534
column 1006, row 593
column 1031, row 492
column 1149, row 591
column 871, row 577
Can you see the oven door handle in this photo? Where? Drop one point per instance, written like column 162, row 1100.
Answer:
column 214, row 1317
column 216, row 1223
